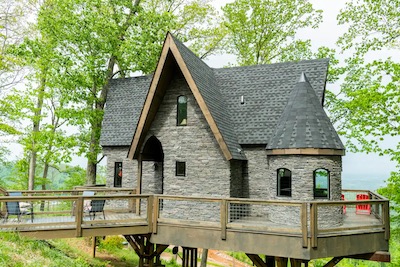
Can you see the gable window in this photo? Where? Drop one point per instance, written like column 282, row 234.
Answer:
column 180, row 168
column 182, row 111
column 118, row 174
column 321, row 183
column 284, row 182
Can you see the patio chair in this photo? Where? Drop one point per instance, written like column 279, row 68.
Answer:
column 96, row 205
column 14, row 208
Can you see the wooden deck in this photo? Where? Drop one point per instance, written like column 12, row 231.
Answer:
column 217, row 223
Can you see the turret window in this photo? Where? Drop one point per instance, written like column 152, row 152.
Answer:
column 182, row 111
column 321, row 183
column 284, row 182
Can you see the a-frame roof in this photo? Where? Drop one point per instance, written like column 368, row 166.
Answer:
column 304, row 124
column 264, row 89
column 201, row 81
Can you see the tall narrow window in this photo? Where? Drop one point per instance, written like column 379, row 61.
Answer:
column 284, row 182
column 180, row 168
column 321, row 183
column 118, row 174
column 182, row 111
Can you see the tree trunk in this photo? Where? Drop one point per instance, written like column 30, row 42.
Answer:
column 204, row 256
column 35, row 131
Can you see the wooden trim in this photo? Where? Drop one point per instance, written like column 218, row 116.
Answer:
column 306, row 151
column 386, row 219
column 133, row 150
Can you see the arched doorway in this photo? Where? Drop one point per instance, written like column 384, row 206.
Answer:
column 152, row 158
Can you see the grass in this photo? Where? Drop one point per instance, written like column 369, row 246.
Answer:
column 17, row 251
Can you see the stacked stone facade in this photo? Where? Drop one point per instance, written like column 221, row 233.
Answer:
column 209, row 174
column 129, row 167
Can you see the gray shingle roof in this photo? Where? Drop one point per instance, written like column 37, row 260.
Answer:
column 123, row 107
column 304, row 123
column 265, row 90
column 205, row 81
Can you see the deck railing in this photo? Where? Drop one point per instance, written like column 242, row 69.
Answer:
column 70, row 210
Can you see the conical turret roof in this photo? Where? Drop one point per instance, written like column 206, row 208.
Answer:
column 304, row 123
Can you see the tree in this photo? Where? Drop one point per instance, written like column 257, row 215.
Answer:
column 101, row 39
column 263, row 31
column 367, row 107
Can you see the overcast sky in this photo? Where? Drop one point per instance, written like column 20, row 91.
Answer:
column 360, row 168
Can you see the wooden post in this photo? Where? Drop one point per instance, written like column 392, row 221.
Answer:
column 139, row 183
column 224, row 219
column 314, row 224
column 94, row 238
column 295, row 263
column 386, row 219
column 156, row 207
column 281, row 262
column 150, row 213
column 304, row 229
column 79, row 216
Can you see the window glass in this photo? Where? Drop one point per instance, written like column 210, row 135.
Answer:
column 118, row 174
column 284, row 182
column 321, row 183
column 182, row 111
column 180, row 168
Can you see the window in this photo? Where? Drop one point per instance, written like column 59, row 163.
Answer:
column 182, row 111
column 118, row 174
column 284, row 182
column 321, row 183
column 180, row 168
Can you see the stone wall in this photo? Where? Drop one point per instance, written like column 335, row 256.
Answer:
column 129, row 167
column 207, row 170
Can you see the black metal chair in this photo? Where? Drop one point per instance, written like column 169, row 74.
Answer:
column 13, row 208
column 96, row 205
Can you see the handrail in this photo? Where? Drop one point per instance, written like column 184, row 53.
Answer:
column 308, row 229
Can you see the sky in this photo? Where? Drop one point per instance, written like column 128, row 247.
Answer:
column 368, row 170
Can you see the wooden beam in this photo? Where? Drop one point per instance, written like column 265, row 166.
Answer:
column 333, row 262
column 306, row 151
column 257, row 261
column 380, row 256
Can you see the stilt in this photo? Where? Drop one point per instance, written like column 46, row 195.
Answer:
column 149, row 254
column 281, row 262
column 94, row 239
column 189, row 258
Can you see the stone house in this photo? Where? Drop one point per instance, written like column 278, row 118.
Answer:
column 248, row 132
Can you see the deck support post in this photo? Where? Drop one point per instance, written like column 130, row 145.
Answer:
column 94, row 239
column 281, row 262
column 189, row 257
column 149, row 254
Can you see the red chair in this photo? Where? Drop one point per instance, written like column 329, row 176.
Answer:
column 363, row 208
column 344, row 206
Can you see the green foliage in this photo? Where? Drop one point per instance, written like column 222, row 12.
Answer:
column 263, row 31
column 112, row 243
column 17, row 251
